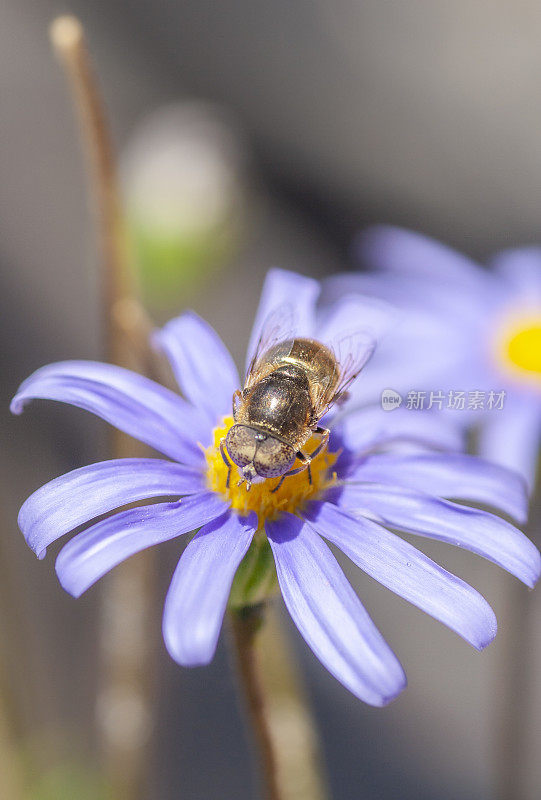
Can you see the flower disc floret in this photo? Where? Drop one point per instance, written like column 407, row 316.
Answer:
column 520, row 347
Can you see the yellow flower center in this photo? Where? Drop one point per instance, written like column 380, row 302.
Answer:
column 524, row 349
column 520, row 347
column 292, row 495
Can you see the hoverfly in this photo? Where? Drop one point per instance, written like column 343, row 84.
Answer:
column 290, row 385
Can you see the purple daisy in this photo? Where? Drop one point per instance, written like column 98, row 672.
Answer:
column 360, row 487
column 464, row 328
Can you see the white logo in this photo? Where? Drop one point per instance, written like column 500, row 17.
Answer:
column 390, row 399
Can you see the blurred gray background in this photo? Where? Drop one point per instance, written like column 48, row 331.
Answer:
column 418, row 113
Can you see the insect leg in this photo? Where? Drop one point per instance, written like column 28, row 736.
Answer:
column 237, row 397
column 305, row 465
column 324, row 433
column 306, row 461
column 280, row 482
column 227, row 462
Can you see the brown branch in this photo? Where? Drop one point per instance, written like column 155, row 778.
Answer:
column 124, row 695
column 68, row 40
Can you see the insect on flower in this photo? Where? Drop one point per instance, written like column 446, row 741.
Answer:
column 291, row 383
column 363, row 483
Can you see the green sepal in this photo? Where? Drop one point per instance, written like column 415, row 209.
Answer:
column 256, row 579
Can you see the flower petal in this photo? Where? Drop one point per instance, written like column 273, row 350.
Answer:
column 133, row 404
column 387, row 247
column 201, row 363
column 372, row 428
column 197, row 597
column 92, row 553
column 281, row 287
column 86, row 493
column 329, row 614
column 521, row 268
column 352, row 313
column 451, row 311
column 405, row 570
column 453, row 475
column 511, row 437
column 421, row 274
column 478, row 531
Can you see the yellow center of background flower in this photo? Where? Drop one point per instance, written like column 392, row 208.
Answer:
column 292, row 495
column 520, row 347
column 524, row 349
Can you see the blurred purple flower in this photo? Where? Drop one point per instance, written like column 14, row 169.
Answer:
column 373, row 488
column 464, row 328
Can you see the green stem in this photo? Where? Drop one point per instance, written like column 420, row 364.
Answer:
column 245, row 623
column 300, row 764
column 280, row 722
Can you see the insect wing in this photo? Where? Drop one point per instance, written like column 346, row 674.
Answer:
column 352, row 352
column 279, row 326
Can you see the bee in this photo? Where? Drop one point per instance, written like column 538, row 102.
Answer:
column 290, row 385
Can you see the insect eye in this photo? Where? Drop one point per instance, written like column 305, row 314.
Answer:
column 273, row 458
column 241, row 444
